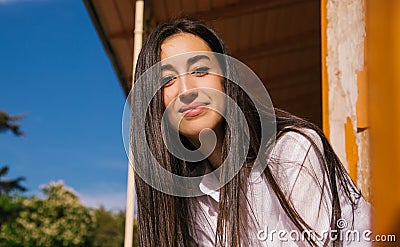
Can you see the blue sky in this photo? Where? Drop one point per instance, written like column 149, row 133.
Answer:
column 54, row 69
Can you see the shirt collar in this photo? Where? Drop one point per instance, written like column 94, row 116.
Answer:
column 209, row 184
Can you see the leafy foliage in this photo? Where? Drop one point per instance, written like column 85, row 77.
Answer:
column 9, row 185
column 8, row 122
column 10, row 203
column 57, row 220
column 109, row 229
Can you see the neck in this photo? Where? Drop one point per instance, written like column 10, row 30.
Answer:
column 215, row 158
column 216, row 155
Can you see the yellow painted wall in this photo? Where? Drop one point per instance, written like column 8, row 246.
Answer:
column 383, row 28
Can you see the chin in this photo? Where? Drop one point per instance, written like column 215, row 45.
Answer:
column 194, row 127
column 193, row 130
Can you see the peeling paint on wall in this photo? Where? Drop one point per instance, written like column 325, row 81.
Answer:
column 345, row 58
column 364, row 179
column 351, row 149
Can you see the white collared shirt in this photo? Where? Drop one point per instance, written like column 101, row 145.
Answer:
column 300, row 175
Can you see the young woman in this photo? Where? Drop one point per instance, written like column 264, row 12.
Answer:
column 303, row 197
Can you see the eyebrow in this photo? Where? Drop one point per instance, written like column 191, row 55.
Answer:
column 189, row 62
column 194, row 59
column 167, row 67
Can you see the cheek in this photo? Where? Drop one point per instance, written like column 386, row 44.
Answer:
column 170, row 93
column 221, row 87
column 172, row 118
column 222, row 97
column 218, row 84
column 167, row 97
column 220, row 103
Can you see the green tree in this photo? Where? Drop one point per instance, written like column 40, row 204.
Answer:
column 10, row 185
column 10, row 123
column 10, row 201
column 109, row 229
column 59, row 219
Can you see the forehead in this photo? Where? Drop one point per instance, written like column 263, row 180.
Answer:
column 182, row 43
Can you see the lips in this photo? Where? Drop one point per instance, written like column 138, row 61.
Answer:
column 193, row 109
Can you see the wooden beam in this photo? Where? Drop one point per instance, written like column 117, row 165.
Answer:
column 98, row 24
column 245, row 7
column 126, row 34
column 301, row 41
column 289, row 77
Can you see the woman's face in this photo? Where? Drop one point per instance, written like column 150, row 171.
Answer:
column 193, row 86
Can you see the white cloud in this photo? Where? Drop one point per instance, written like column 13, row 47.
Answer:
column 111, row 200
column 109, row 195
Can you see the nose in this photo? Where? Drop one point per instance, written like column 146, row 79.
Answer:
column 188, row 97
column 188, row 91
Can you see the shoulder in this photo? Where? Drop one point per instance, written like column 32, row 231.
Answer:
column 295, row 145
column 299, row 169
column 297, row 162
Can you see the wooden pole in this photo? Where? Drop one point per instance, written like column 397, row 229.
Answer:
column 130, row 197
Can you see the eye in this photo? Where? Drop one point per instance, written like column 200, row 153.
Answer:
column 167, row 80
column 201, row 71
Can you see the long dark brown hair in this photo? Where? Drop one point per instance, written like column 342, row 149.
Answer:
column 166, row 220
